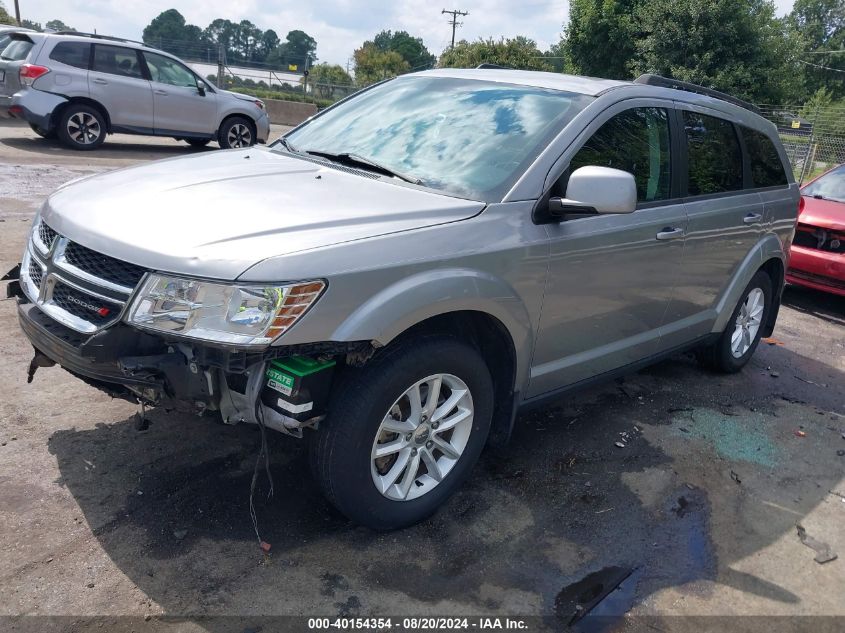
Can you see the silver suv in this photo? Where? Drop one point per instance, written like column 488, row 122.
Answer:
column 401, row 275
column 81, row 87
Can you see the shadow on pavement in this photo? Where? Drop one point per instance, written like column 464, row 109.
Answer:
column 50, row 148
column 562, row 502
column 824, row 305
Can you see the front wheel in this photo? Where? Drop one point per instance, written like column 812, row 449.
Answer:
column 236, row 132
column 404, row 432
column 734, row 348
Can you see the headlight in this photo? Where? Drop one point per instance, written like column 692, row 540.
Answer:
column 248, row 314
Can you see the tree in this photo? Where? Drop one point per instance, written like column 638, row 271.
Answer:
column 325, row 79
column 58, row 25
column 410, row 48
column 5, row 18
column 519, row 52
column 373, row 64
column 599, row 39
column 170, row 32
column 736, row 46
column 819, row 26
column 29, row 24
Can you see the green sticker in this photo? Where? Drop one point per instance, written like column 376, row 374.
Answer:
column 279, row 381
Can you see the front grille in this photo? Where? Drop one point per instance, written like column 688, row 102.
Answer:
column 46, row 235
column 102, row 266
column 819, row 238
column 79, row 288
column 35, row 274
column 85, row 306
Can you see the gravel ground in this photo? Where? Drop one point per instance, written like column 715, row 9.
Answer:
column 697, row 512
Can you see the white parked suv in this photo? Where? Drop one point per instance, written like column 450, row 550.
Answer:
column 81, row 87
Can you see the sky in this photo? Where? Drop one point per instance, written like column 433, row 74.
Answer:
column 339, row 26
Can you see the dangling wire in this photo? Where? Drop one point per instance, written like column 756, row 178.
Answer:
column 263, row 454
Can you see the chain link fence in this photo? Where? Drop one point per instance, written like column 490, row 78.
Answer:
column 813, row 136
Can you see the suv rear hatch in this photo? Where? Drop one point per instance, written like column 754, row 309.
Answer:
column 12, row 57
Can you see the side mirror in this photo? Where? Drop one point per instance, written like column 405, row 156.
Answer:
column 201, row 89
column 595, row 189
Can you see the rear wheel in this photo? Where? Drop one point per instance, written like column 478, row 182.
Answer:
column 81, row 127
column 236, row 132
column 737, row 343
column 404, row 432
column 40, row 131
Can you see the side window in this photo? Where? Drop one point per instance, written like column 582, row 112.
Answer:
column 116, row 60
column 636, row 141
column 715, row 158
column 766, row 166
column 76, row 54
column 167, row 71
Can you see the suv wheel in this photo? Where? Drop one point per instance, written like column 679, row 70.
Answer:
column 404, row 432
column 81, row 127
column 40, row 131
column 737, row 343
column 236, row 132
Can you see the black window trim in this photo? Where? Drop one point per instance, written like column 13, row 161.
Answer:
column 90, row 53
column 141, row 66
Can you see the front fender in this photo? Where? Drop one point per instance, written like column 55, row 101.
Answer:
column 411, row 300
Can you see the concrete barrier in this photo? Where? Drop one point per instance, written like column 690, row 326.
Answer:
column 288, row 112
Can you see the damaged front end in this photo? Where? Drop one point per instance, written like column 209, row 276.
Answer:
column 135, row 335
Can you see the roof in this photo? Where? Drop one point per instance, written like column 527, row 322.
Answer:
column 553, row 81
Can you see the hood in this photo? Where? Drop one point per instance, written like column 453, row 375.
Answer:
column 238, row 95
column 217, row 214
column 827, row 214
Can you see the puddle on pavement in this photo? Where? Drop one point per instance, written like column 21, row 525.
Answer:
column 599, row 600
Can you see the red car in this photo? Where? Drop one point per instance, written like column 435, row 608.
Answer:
column 817, row 259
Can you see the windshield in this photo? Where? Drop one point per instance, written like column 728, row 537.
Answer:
column 468, row 138
column 831, row 186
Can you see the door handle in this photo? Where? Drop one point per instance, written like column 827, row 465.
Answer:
column 161, row 92
column 751, row 218
column 97, row 80
column 670, row 233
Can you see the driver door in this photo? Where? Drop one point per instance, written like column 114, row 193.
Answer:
column 611, row 276
column 178, row 104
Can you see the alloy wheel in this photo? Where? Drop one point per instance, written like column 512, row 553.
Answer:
column 83, row 128
column 748, row 322
column 422, row 437
column 239, row 136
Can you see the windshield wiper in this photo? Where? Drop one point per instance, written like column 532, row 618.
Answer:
column 355, row 159
column 286, row 144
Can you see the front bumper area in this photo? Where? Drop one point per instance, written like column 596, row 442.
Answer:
column 816, row 269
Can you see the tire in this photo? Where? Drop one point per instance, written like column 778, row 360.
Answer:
column 236, row 132
column 81, row 127
column 343, row 449
column 42, row 132
column 728, row 355
column 197, row 142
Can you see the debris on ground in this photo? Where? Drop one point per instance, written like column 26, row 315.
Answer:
column 823, row 552
column 620, row 444
column 841, row 452
column 800, row 433
column 774, row 374
column 735, row 477
column 180, row 534
column 265, row 547
column 578, row 599
column 771, row 340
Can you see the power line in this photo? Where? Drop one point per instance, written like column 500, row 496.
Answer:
column 836, row 70
column 454, row 21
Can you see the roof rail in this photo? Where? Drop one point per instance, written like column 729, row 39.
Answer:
column 110, row 38
column 665, row 82
column 485, row 65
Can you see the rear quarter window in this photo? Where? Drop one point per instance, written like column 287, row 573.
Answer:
column 17, row 50
column 766, row 167
column 76, row 54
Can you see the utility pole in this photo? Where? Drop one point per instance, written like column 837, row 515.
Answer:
column 454, row 21
column 17, row 12
column 221, row 60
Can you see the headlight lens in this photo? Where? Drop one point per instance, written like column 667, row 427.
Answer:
column 238, row 314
